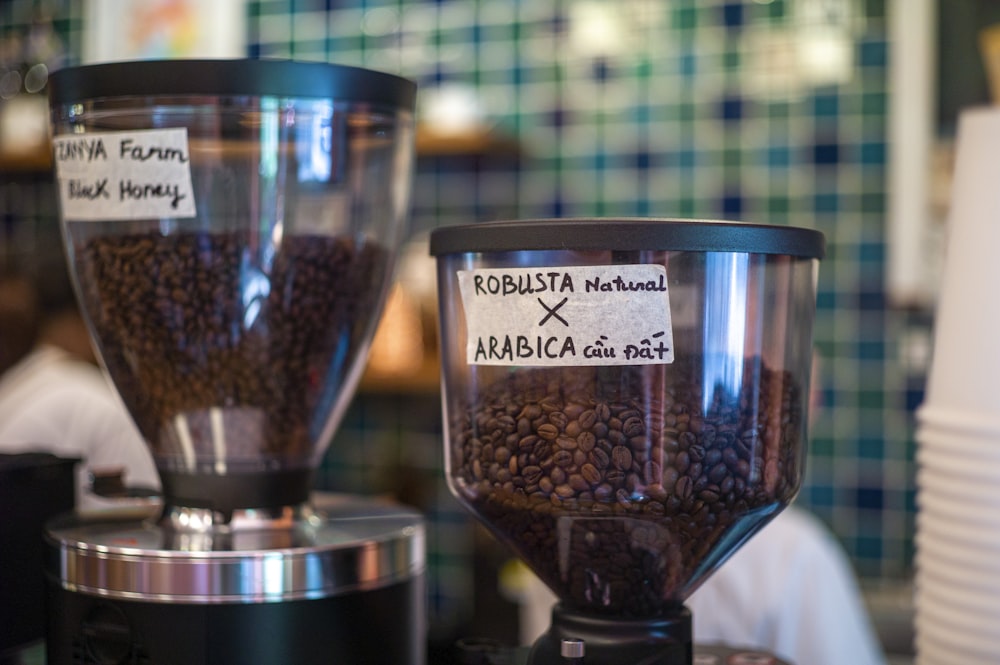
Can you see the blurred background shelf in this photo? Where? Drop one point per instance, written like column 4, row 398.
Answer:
column 429, row 143
column 37, row 161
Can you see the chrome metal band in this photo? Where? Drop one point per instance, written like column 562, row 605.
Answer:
column 128, row 561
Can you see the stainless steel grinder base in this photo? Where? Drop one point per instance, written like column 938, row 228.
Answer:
column 343, row 582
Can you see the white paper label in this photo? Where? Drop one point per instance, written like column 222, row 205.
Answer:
column 578, row 315
column 144, row 174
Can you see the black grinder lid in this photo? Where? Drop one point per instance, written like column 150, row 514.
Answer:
column 628, row 234
column 280, row 78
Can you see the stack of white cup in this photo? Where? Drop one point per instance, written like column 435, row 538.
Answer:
column 958, row 436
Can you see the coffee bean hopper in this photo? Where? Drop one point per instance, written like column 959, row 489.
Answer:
column 625, row 405
column 231, row 228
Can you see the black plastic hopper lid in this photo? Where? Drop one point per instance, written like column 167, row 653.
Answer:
column 280, row 78
column 628, row 235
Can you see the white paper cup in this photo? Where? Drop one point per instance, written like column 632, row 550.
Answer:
column 951, row 458
column 954, row 466
column 948, row 508
column 932, row 649
column 959, row 420
column 961, row 446
column 959, row 533
column 980, row 494
column 966, row 358
column 963, row 622
column 966, row 643
column 937, row 571
column 930, row 594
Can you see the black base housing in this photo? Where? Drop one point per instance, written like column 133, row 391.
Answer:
column 611, row 641
column 378, row 626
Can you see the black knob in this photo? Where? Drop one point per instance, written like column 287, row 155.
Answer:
column 107, row 636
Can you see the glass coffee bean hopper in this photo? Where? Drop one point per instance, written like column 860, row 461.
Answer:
column 625, row 404
column 231, row 228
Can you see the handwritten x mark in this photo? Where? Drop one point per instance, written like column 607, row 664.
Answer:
column 552, row 312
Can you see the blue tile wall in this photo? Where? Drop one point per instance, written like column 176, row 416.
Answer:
column 674, row 125
column 673, row 122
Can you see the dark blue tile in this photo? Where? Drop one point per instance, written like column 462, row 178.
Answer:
column 556, row 206
column 732, row 204
column 559, row 117
column 826, row 299
column 871, row 300
column 732, row 14
column 731, row 109
column 642, row 159
column 914, row 398
column 826, row 154
column 870, row 497
column 601, row 69
column 559, row 23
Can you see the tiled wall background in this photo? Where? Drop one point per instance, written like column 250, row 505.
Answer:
column 688, row 116
column 699, row 109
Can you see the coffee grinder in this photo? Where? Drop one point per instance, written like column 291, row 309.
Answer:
column 624, row 406
column 231, row 227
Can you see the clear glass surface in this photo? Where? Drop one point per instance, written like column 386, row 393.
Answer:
column 236, row 336
column 624, row 486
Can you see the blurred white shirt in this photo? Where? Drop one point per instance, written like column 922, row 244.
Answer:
column 51, row 402
column 789, row 590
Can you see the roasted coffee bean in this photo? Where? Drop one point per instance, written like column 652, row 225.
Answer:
column 566, row 443
column 562, row 458
column 621, row 458
column 684, row 487
column 599, row 458
column 548, row 431
column 682, row 461
column 587, row 419
column 651, row 485
column 591, row 474
column 199, row 323
column 559, row 419
column 633, row 427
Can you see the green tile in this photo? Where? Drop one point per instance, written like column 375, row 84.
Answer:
column 731, row 60
column 775, row 10
column 874, row 103
column 685, row 18
column 778, row 205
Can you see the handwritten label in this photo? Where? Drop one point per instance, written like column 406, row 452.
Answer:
column 577, row 315
column 143, row 174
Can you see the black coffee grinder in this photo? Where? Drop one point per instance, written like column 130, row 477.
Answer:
column 231, row 227
column 625, row 405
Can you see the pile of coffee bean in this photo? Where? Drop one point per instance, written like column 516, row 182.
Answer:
column 622, row 487
column 201, row 330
